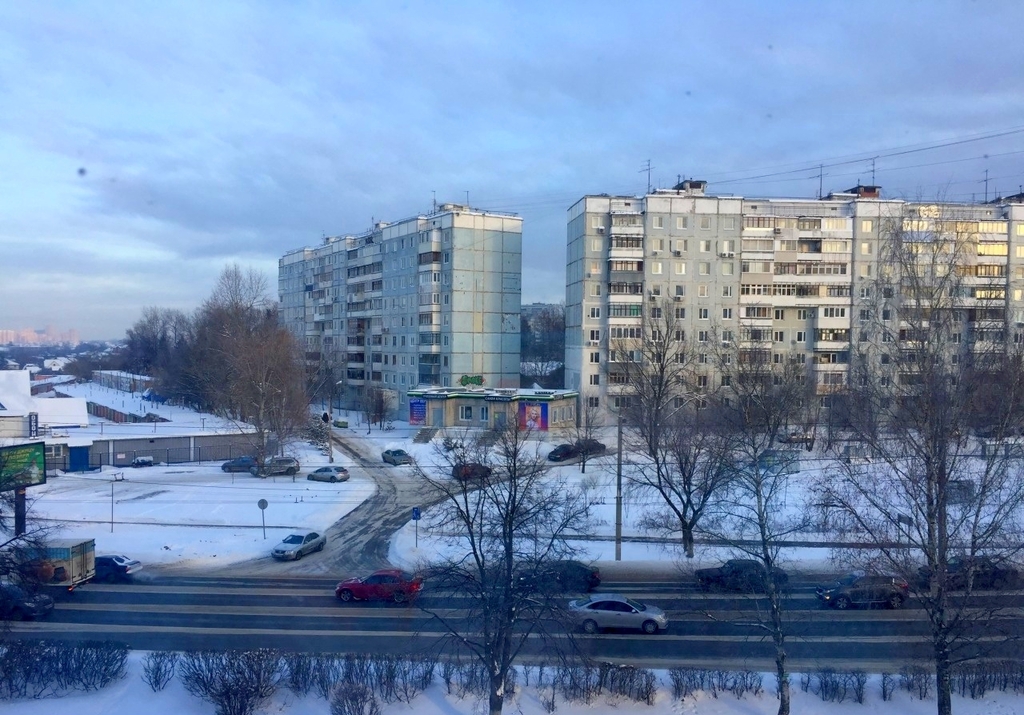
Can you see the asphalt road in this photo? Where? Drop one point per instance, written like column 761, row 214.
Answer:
column 174, row 613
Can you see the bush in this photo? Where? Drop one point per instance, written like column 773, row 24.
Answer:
column 158, row 669
column 888, row 686
column 235, row 682
column 687, row 681
column 637, row 684
column 40, row 669
column 327, row 670
column 354, row 699
column 916, row 681
column 300, row 672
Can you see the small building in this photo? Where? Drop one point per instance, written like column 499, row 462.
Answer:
column 487, row 408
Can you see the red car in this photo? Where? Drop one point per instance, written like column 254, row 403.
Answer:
column 386, row 584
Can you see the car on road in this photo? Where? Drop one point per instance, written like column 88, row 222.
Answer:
column 601, row 611
column 562, row 452
column 276, row 466
column 396, row 456
column 384, row 585
column 561, row 577
column 328, row 474
column 861, row 589
column 797, row 437
column 297, row 545
column 744, row 575
column 589, row 447
column 471, row 472
column 239, row 464
column 988, row 574
column 115, row 567
column 17, row 604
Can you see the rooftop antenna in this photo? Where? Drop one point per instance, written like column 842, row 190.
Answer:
column 821, row 169
column 433, row 196
column 467, row 199
column 647, row 168
column 986, row 186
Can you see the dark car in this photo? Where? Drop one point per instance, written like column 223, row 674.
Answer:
column 988, row 574
column 385, row 585
column 562, row 577
column 396, row 456
column 562, row 452
column 589, row 447
column 860, row 589
column 275, row 466
column 744, row 575
column 239, row 464
column 471, row 472
column 116, row 568
column 17, row 604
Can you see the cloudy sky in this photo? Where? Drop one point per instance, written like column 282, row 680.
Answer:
column 144, row 146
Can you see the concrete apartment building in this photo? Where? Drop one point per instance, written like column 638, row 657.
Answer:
column 431, row 300
column 789, row 275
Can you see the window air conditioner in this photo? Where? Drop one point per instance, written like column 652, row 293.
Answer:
column 677, row 298
column 677, row 253
column 777, row 231
column 600, row 229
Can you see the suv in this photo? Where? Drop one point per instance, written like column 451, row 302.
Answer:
column 987, row 574
column 275, row 466
column 740, row 575
column 858, row 588
column 589, row 447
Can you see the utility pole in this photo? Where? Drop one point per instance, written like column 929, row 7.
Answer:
column 986, row 186
column 873, row 170
column 618, row 489
column 821, row 169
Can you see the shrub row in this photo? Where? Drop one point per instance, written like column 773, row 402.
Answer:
column 42, row 669
column 688, row 681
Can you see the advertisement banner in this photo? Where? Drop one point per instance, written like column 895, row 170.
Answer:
column 417, row 411
column 22, row 465
column 533, row 415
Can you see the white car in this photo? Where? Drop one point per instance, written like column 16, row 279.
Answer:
column 295, row 546
column 328, row 474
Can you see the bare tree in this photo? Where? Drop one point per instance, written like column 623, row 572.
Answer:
column 683, row 457
column 586, row 429
column 377, row 405
column 514, row 521
column 931, row 366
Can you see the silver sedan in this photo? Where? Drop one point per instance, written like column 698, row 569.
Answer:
column 608, row 610
column 295, row 546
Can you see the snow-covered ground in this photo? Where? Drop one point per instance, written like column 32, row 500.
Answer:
column 128, row 695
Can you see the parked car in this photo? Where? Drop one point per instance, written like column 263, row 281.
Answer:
column 239, row 464
column 396, row 456
column 328, row 474
column 562, row 577
column 562, row 453
column 143, row 462
column 276, row 466
column 295, row 546
column 471, row 472
column 17, row 604
column 386, row 584
column 987, row 574
column 606, row 610
column 860, row 589
column 589, row 447
column 116, row 568
column 744, row 575
column 797, row 437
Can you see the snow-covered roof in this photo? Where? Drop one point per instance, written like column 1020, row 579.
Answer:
column 16, row 400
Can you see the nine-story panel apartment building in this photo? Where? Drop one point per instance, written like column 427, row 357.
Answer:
column 429, row 300
column 790, row 276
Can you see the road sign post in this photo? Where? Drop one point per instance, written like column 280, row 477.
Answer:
column 262, row 504
column 416, row 521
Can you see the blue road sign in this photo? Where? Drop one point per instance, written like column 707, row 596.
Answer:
column 415, row 513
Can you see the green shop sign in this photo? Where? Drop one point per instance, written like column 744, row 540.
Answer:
column 471, row 380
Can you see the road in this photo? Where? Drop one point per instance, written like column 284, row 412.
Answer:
column 709, row 629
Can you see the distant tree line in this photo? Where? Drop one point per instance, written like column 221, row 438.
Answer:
column 231, row 357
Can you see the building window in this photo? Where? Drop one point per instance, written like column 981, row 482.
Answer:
column 705, row 223
column 801, row 336
column 658, row 244
column 484, row 414
column 659, row 222
column 829, row 312
column 726, row 313
column 465, row 412
column 681, row 245
column 702, row 336
column 702, row 382
column 704, row 268
column 680, row 313
column 705, row 246
column 866, row 226
column 596, row 221
column 702, row 290
column 680, row 268
column 727, row 291
column 655, row 312
column 595, row 335
column 702, row 313
column 656, row 267
column 595, row 312
column 681, row 222
column 595, row 357
column 728, row 268
column 865, row 248
column 779, row 336
column 595, row 379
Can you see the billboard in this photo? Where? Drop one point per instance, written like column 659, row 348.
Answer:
column 23, row 465
column 417, row 411
column 533, row 415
